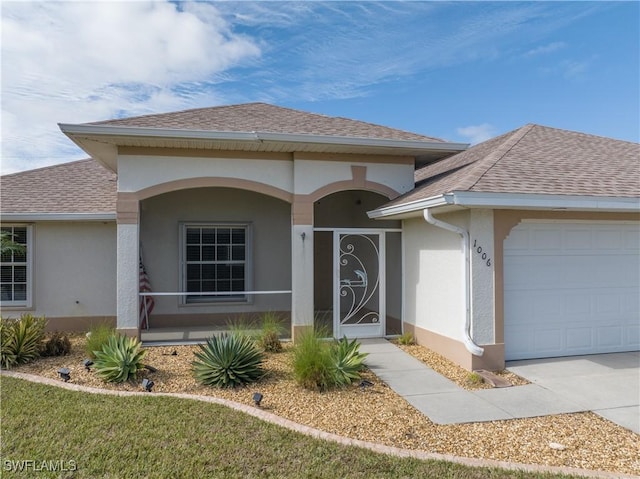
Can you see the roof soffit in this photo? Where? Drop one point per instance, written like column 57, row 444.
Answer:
column 101, row 142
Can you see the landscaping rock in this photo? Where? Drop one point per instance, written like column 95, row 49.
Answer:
column 376, row 414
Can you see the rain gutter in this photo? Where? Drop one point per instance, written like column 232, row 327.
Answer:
column 258, row 136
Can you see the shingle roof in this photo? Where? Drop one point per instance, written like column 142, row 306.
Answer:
column 535, row 159
column 83, row 186
column 250, row 117
column 531, row 159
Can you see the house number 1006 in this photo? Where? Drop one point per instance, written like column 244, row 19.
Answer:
column 483, row 255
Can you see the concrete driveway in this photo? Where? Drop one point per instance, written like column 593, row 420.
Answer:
column 607, row 384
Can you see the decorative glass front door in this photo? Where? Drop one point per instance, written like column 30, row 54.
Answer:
column 359, row 286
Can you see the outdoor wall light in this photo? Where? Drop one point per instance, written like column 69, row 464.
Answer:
column 303, row 235
column 65, row 374
column 147, row 384
column 257, row 398
column 87, row 364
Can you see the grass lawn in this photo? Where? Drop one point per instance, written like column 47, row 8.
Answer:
column 152, row 436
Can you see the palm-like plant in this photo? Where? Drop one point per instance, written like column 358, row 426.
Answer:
column 348, row 361
column 120, row 359
column 227, row 361
column 8, row 245
column 21, row 339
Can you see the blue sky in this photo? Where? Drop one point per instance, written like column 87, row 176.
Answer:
column 456, row 70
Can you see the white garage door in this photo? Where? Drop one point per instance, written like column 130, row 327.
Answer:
column 571, row 288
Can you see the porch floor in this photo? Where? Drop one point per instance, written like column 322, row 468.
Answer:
column 180, row 335
column 177, row 336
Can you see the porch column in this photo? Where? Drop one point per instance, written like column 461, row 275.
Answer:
column 127, row 265
column 302, row 266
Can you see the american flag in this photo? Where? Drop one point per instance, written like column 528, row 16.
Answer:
column 146, row 302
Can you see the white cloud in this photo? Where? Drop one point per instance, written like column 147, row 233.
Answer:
column 570, row 69
column 544, row 49
column 575, row 68
column 74, row 62
column 477, row 133
column 83, row 61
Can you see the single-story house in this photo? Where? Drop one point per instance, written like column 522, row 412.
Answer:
column 524, row 246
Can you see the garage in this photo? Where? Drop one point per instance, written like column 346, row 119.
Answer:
column 571, row 288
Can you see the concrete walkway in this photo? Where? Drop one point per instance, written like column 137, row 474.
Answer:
column 444, row 402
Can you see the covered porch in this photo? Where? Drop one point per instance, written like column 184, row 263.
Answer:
column 220, row 258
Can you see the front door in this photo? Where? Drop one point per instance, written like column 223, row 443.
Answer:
column 359, row 286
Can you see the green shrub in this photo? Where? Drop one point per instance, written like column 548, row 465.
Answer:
column 21, row 339
column 97, row 337
column 271, row 328
column 347, row 361
column 242, row 326
column 474, row 379
column 320, row 365
column 57, row 344
column 312, row 362
column 406, row 338
column 228, row 360
column 120, row 359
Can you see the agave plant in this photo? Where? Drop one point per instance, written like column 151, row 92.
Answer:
column 8, row 357
column 21, row 339
column 348, row 361
column 120, row 359
column 227, row 361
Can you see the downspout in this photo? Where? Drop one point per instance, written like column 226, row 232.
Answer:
column 472, row 347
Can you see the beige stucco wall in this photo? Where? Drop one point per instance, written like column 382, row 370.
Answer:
column 482, row 260
column 136, row 172
column 74, row 269
column 311, row 175
column 300, row 174
column 434, row 276
column 434, row 287
column 270, row 221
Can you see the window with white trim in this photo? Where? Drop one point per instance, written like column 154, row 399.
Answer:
column 216, row 261
column 15, row 267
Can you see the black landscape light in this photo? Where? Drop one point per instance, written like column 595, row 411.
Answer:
column 147, row 384
column 65, row 374
column 365, row 384
column 87, row 364
column 257, row 398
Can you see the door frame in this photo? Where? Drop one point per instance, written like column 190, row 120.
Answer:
column 336, row 231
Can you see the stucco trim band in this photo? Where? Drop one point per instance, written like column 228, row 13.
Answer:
column 491, row 360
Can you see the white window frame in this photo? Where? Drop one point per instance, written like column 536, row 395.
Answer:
column 28, row 302
column 191, row 300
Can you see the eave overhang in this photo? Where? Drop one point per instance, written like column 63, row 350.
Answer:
column 102, row 142
column 514, row 201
